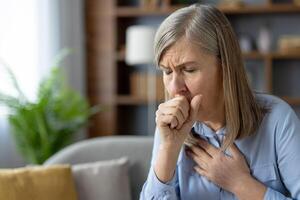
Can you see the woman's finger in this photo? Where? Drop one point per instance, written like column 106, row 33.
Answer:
column 235, row 151
column 210, row 149
column 200, row 171
column 198, row 159
column 166, row 120
column 179, row 103
column 194, row 109
column 200, row 153
column 173, row 111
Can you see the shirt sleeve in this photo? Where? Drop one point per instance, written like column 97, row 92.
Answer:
column 153, row 188
column 288, row 156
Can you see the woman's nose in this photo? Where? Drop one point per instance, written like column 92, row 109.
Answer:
column 177, row 85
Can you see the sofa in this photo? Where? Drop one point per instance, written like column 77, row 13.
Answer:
column 137, row 149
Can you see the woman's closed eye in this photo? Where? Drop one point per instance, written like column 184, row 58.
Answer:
column 189, row 69
column 183, row 69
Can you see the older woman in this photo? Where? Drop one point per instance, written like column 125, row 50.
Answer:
column 215, row 139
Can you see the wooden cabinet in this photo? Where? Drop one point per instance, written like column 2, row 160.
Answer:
column 109, row 77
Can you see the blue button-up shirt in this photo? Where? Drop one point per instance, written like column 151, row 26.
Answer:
column 272, row 153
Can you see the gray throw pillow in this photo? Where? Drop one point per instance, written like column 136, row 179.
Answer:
column 107, row 180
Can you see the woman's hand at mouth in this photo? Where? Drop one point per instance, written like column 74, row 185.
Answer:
column 175, row 118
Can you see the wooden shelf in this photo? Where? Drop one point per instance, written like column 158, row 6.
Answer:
column 254, row 55
column 262, row 9
column 272, row 56
column 130, row 11
column 229, row 10
column 120, row 56
column 131, row 100
column 281, row 55
column 292, row 100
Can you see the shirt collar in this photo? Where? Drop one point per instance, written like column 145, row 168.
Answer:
column 203, row 130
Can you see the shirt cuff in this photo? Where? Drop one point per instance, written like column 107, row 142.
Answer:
column 159, row 188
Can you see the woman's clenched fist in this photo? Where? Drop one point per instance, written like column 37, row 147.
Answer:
column 175, row 118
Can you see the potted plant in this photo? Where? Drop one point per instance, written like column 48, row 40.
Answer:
column 43, row 127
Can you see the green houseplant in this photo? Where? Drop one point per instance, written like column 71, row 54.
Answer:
column 43, row 127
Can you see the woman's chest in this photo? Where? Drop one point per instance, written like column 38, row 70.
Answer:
column 195, row 187
column 261, row 159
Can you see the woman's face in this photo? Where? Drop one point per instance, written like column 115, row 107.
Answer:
column 189, row 71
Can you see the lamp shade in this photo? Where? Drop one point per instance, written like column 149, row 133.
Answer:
column 139, row 44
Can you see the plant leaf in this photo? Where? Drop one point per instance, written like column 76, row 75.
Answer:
column 14, row 80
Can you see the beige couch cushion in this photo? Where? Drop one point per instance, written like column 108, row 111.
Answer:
column 37, row 183
column 107, row 180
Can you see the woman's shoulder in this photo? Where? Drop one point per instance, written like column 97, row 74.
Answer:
column 276, row 107
column 271, row 102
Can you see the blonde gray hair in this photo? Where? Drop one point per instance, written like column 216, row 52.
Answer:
column 210, row 30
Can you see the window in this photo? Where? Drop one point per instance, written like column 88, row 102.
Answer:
column 19, row 44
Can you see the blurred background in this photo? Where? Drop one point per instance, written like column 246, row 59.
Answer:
column 111, row 60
